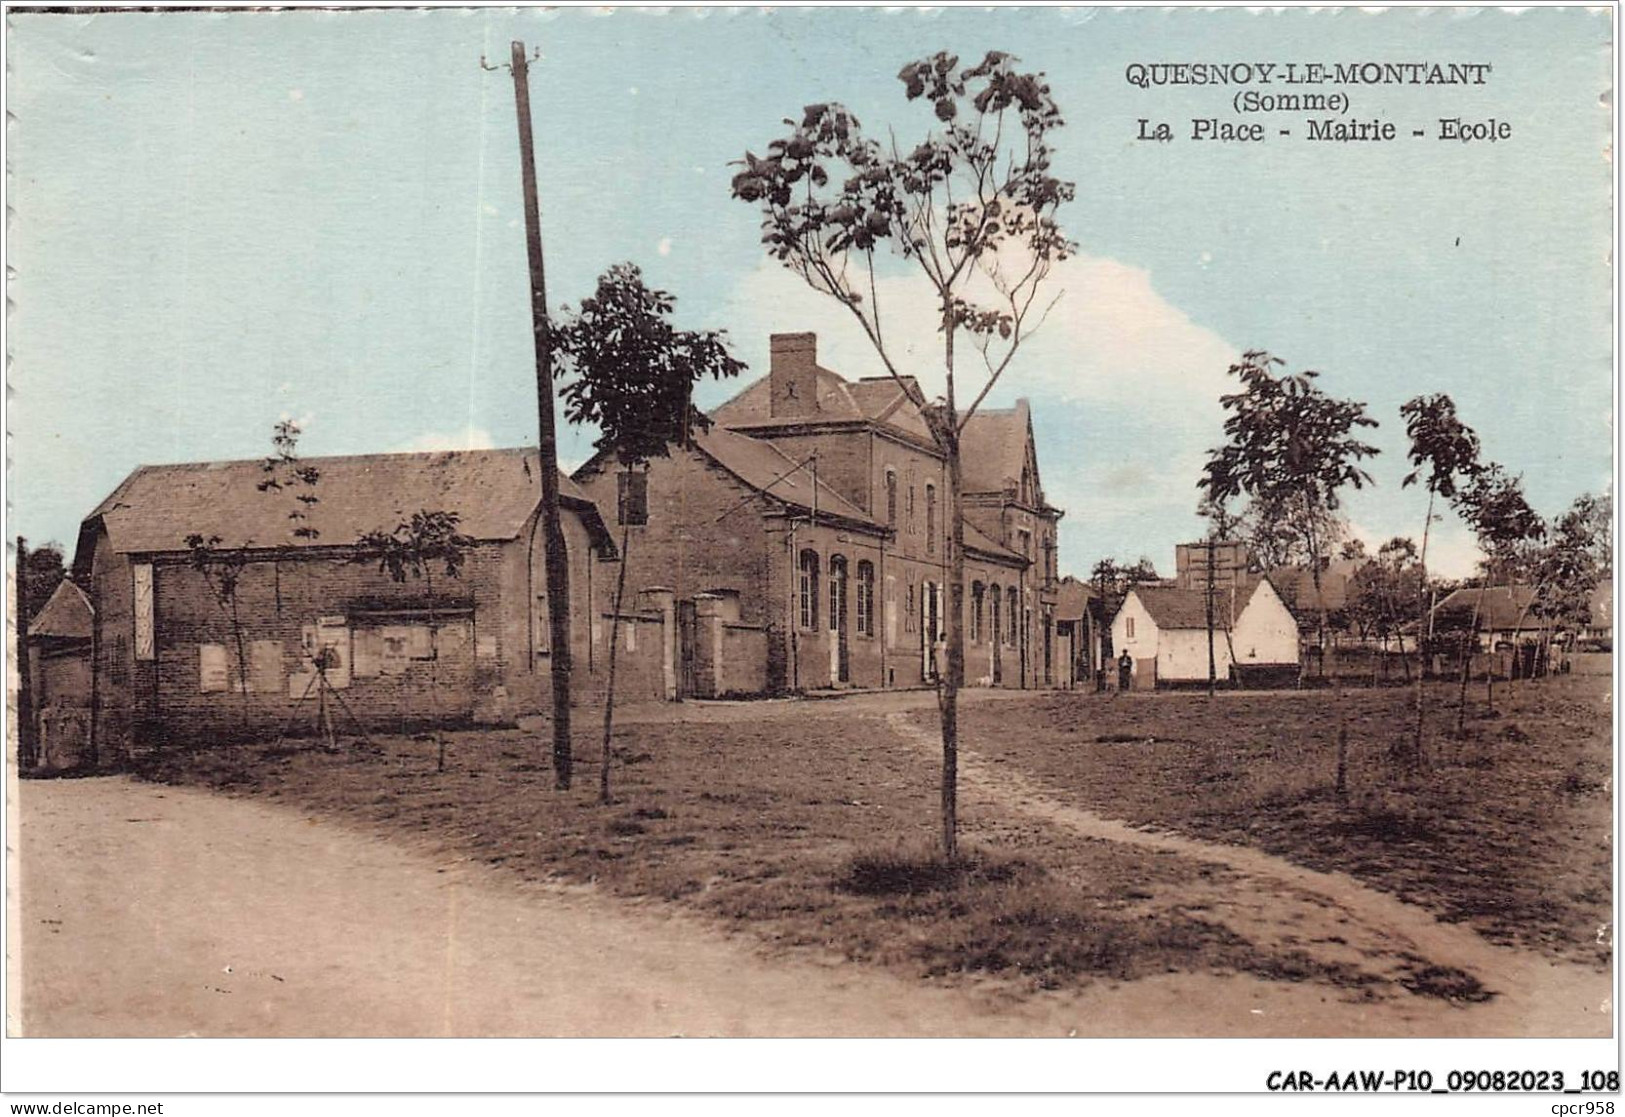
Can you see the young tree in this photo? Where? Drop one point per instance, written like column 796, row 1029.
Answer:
column 1292, row 446
column 634, row 379
column 1445, row 455
column 285, row 472
column 413, row 549
column 222, row 570
column 971, row 209
column 1494, row 506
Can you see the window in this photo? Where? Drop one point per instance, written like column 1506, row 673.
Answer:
column 1011, row 607
column 993, row 597
column 143, row 610
column 1049, row 561
column 809, row 589
column 632, row 488
column 976, row 593
column 930, row 519
column 1128, row 627
column 911, row 509
column 1026, row 538
column 866, row 598
column 891, row 497
column 837, row 592
column 908, row 609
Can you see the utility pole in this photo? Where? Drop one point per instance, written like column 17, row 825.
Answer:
column 558, row 575
column 27, row 755
column 1212, row 668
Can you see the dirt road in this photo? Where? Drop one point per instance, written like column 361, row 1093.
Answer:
column 151, row 911
column 157, row 911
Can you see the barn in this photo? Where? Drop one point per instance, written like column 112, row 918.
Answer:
column 172, row 657
column 1164, row 631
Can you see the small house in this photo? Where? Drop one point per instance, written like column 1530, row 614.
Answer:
column 1164, row 630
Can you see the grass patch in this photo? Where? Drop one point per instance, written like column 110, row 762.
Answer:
column 808, row 834
column 1508, row 830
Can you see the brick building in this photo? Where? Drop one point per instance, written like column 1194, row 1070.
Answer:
column 170, row 663
column 812, row 518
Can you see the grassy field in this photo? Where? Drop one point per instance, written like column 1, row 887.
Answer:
column 805, row 832
column 1509, row 828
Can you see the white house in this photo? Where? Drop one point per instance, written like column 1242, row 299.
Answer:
column 1164, row 631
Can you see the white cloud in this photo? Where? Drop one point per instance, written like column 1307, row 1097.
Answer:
column 1111, row 338
column 664, row 247
column 469, row 438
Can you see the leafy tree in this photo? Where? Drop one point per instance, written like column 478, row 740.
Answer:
column 1291, row 446
column 1575, row 561
column 1444, row 454
column 1494, row 506
column 1383, row 594
column 1278, row 528
column 42, row 570
column 971, row 209
column 1112, row 581
column 412, row 550
column 634, row 379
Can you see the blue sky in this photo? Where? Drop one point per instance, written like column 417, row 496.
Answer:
column 223, row 219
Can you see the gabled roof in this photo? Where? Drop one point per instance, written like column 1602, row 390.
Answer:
column 753, row 406
column 1503, row 606
column 993, row 448
column 767, row 469
column 1072, row 599
column 878, row 399
column 1296, row 585
column 494, row 492
column 67, row 613
column 1174, row 608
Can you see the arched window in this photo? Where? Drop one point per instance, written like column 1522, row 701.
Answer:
column 994, row 613
column 809, row 589
column 837, row 592
column 930, row 519
column 1012, row 609
column 891, row 497
column 977, row 591
column 866, row 598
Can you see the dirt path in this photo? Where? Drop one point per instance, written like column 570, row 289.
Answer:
column 158, row 911
column 1331, row 915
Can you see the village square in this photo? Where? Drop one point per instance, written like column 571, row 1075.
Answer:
column 867, row 686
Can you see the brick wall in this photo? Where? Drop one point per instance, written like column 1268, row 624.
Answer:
column 114, row 682
column 704, row 532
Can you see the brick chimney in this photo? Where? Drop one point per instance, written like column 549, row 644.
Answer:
column 793, row 375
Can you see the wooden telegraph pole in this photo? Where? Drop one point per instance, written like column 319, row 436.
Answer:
column 558, row 575
column 27, row 752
